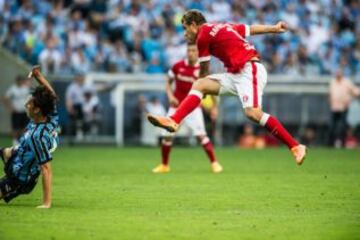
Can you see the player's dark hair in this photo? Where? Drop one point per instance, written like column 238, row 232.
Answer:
column 44, row 99
column 193, row 15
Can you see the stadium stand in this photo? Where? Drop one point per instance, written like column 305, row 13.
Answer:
column 146, row 36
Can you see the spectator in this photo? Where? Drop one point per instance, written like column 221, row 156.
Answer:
column 341, row 92
column 118, row 58
column 138, row 118
column 291, row 68
column 83, row 105
column 66, row 66
column 325, row 28
column 3, row 30
column 90, row 109
column 15, row 99
column 154, row 106
column 79, row 61
column 74, row 99
column 100, row 57
column 155, row 66
column 150, row 135
column 290, row 16
column 50, row 58
column 15, row 38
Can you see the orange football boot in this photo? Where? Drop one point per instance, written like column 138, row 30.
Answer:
column 164, row 122
column 216, row 167
column 299, row 153
column 161, row 169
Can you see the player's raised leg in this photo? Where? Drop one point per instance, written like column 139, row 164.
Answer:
column 250, row 85
column 274, row 126
column 166, row 145
column 192, row 101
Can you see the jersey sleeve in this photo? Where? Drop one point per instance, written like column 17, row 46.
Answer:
column 172, row 71
column 203, row 44
column 242, row 29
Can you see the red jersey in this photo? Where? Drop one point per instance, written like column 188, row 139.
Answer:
column 226, row 42
column 184, row 75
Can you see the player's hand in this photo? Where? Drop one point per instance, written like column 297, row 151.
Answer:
column 173, row 101
column 35, row 71
column 281, row 27
column 7, row 153
column 44, row 206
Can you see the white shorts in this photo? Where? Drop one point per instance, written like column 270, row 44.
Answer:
column 194, row 121
column 248, row 85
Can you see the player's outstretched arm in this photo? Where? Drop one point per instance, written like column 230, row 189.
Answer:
column 36, row 73
column 280, row 27
column 46, row 183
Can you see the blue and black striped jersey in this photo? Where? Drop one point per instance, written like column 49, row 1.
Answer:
column 35, row 148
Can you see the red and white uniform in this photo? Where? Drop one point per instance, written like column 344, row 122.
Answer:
column 228, row 43
column 184, row 76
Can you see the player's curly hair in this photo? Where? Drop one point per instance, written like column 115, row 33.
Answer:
column 44, row 99
column 193, row 15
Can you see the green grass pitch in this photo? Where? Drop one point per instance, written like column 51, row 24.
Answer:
column 110, row 193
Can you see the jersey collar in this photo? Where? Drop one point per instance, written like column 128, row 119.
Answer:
column 197, row 64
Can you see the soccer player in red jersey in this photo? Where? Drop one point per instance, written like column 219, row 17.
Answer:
column 184, row 73
column 246, row 77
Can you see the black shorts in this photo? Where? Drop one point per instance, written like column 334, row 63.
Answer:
column 11, row 187
column 19, row 121
column 78, row 112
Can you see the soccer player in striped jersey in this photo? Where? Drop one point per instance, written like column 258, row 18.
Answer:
column 25, row 161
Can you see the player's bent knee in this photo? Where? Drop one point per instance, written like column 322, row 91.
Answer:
column 253, row 114
column 167, row 140
column 207, row 86
column 200, row 85
column 200, row 137
column 203, row 139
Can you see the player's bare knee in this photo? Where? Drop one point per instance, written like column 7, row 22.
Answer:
column 254, row 114
column 199, row 85
column 167, row 141
column 203, row 139
column 200, row 138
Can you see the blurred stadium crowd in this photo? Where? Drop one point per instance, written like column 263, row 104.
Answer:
column 146, row 35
